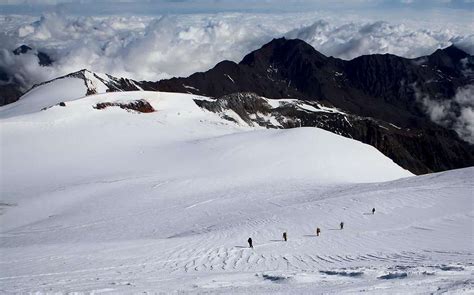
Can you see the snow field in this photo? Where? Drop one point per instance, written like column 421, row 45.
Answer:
column 114, row 201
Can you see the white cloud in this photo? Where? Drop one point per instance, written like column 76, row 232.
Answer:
column 456, row 114
column 152, row 48
column 351, row 39
column 464, row 125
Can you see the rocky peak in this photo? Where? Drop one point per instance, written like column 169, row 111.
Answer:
column 43, row 58
column 22, row 49
column 451, row 60
column 284, row 52
column 452, row 52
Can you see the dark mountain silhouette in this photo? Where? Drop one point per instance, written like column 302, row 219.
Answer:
column 379, row 86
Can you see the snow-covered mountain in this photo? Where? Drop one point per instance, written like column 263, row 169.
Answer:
column 419, row 95
column 176, row 117
column 415, row 111
column 158, row 192
column 66, row 88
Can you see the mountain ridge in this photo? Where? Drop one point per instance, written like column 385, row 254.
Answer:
column 376, row 92
column 384, row 87
column 345, row 84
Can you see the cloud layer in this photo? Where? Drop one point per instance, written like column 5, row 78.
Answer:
column 152, row 48
column 456, row 114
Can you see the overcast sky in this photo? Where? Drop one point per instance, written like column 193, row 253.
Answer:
column 94, row 7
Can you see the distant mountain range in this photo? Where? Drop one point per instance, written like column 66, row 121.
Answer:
column 376, row 99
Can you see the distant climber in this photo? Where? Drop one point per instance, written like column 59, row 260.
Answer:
column 342, row 225
column 284, row 236
column 318, row 231
column 250, row 242
column 373, row 210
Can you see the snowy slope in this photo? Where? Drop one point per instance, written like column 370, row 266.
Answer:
column 64, row 89
column 111, row 200
column 46, row 95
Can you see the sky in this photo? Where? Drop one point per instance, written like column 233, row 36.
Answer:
column 96, row 7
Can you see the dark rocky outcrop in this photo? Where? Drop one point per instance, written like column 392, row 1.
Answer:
column 140, row 106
